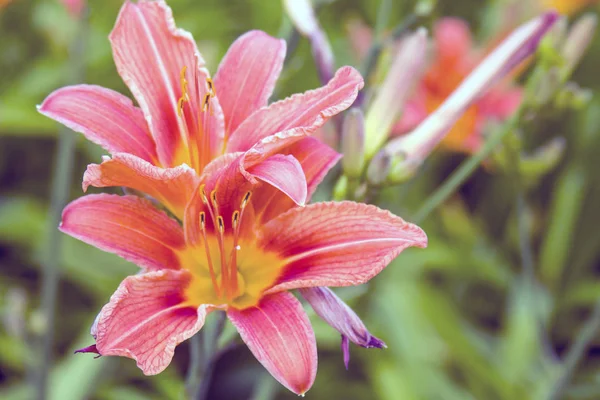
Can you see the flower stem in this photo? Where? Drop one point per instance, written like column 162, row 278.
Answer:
column 204, row 354
column 62, row 178
column 576, row 352
column 465, row 170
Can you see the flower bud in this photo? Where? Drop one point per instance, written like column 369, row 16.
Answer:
column 578, row 39
column 398, row 85
column 353, row 143
column 336, row 313
column 303, row 17
column 379, row 168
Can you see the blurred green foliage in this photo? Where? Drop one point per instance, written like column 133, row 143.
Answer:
column 463, row 319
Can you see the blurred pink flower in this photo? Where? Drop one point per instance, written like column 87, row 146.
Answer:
column 75, row 7
column 186, row 119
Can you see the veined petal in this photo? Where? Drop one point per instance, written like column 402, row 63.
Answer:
column 103, row 116
column 336, row 243
column 308, row 111
column 147, row 317
column 316, row 159
column 342, row 318
column 281, row 338
column 150, row 54
column 284, row 173
column 247, row 75
column 128, row 226
column 170, row 186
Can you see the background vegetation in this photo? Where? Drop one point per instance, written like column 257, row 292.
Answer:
column 502, row 305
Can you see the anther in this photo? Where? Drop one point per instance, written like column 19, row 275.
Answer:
column 213, row 197
column 202, row 220
column 221, row 224
column 235, row 218
column 203, row 194
column 184, row 91
column 246, row 199
column 211, row 92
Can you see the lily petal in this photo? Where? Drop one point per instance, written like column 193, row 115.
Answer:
column 337, row 243
column 128, row 226
column 150, row 53
column 281, row 338
column 316, row 159
column 170, row 186
column 309, row 110
column 342, row 318
column 247, row 75
column 147, row 317
column 284, row 173
column 104, row 116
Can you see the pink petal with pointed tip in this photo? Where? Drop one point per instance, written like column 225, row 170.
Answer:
column 316, row 159
column 337, row 243
column 128, row 226
column 247, row 75
column 281, row 338
column 172, row 187
column 150, row 53
column 147, row 317
column 284, row 173
column 103, row 116
column 308, row 111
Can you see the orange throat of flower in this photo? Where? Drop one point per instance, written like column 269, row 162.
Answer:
column 226, row 267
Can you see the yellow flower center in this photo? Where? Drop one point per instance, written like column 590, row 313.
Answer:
column 227, row 269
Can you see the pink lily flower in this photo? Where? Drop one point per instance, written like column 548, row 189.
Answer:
column 242, row 247
column 185, row 118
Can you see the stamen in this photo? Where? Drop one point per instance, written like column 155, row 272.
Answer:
column 236, row 221
column 246, row 199
column 211, row 269
column 224, row 273
column 209, row 95
column 233, row 258
column 184, row 91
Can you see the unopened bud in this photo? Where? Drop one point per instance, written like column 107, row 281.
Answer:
column 578, row 39
column 388, row 104
column 342, row 318
column 303, row 17
column 572, row 96
column 353, row 143
column 543, row 160
column 379, row 168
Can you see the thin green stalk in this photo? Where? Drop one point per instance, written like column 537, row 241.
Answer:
column 62, row 178
column 585, row 337
column 465, row 170
column 204, row 353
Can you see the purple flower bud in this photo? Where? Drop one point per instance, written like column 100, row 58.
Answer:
column 336, row 313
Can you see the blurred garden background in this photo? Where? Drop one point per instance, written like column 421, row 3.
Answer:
column 503, row 304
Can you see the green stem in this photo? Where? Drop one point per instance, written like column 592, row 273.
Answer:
column 62, row 179
column 576, row 352
column 465, row 170
column 204, row 353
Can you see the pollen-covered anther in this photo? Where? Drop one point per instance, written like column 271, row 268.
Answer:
column 184, row 91
column 211, row 92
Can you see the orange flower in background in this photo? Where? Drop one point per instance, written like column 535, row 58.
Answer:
column 454, row 57
column 568, row 7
